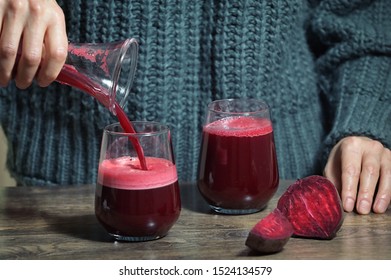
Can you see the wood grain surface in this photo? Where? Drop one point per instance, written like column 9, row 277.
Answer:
column 59, row 223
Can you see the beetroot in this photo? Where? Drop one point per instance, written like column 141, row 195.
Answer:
column 313, row 207
column 309, row 208
column 270, row 234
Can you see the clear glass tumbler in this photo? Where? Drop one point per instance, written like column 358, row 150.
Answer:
column 133, row 204
column 238, row 171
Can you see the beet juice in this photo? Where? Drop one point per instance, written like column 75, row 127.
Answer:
column 135, row 200
column 137, row 197
column 238, row 166
column 134, row 204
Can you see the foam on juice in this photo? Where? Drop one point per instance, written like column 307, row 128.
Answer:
column 241, row 126
column 126, row 173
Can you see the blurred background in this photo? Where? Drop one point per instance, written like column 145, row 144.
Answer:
column 5, row 178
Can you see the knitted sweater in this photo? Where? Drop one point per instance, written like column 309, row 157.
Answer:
column 324, row 68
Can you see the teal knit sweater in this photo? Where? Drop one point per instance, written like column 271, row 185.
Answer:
column 324, row 67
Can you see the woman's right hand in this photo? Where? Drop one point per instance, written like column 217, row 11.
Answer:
column 37, row 27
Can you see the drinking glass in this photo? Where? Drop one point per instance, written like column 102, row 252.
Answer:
column 238, row 171
column 131, row 203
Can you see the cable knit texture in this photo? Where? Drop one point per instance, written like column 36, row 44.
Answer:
column 324, row 67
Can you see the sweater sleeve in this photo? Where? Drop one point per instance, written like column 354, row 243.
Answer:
column 354, row 68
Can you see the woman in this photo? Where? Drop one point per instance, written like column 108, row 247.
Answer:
column 323, row 67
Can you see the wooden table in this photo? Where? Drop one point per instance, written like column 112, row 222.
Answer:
column 59, row 223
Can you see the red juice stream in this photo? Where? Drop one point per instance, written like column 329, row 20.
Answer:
column 128, row 127
column 70, row 76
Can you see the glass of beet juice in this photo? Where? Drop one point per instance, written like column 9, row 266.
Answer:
column 238, row 171
column 133, row 203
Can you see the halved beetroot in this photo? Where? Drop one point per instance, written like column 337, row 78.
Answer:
column 270, row 234
column 313, row 207
column 310, row 208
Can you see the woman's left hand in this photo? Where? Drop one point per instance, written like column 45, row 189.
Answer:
column 360, row 168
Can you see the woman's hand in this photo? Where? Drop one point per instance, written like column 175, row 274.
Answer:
column 38, row 28
column 360, row 168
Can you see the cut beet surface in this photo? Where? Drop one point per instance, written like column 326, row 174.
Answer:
column 309, row 208
column 270, row 234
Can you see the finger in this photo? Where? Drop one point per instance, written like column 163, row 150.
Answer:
column 30, row 58
column 369, row 177
column 56, row 50
column 351, row 157
column 12, row 28
column 383, row 196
